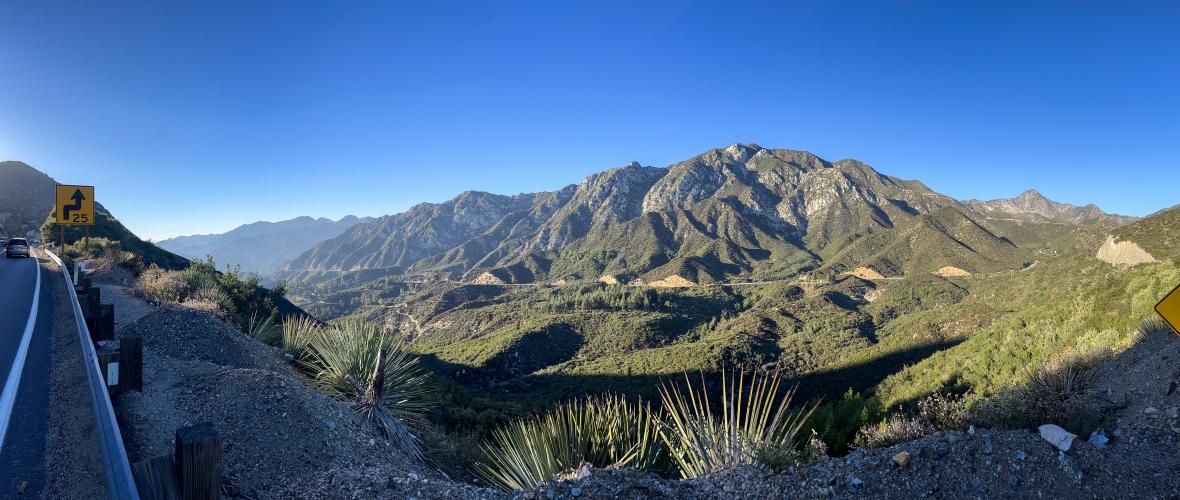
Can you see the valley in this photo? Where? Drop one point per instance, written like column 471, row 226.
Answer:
column 867, row 295
column 842, row 279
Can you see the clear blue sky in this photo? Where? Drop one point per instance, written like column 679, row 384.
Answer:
column 243, row 111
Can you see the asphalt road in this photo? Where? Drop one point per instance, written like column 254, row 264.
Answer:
column 24, row 402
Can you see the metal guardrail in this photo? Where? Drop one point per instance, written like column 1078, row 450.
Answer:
column 120, row 482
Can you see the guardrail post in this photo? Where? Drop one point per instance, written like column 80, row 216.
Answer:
column 131, row 347
column 198, row 457
column 101, row 322
column 156, row 478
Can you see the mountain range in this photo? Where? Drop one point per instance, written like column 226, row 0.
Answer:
column 261, row 247
column 740, row 211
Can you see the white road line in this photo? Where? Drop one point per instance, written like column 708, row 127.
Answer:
column 8, row 397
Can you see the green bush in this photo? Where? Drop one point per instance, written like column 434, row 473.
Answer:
column 159, row 285
column 1054, row 393
column 937, row 412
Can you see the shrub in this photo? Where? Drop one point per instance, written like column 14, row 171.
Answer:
column 754, row 426
column 195, row 277
column 159, row 285
column 1054, row 393
column 937, row 412
column 605, row 431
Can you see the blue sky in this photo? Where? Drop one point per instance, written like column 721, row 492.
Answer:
column 196, row 117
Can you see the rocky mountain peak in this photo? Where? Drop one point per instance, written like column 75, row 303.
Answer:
column 739, row 153
column 1031, row 203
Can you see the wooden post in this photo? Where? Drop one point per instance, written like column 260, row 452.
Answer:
column 101, row 322
column 112, row 370
column 131, row 346
column 156, row 478
column 198, row 457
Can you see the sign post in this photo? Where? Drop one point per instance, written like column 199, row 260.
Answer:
column 1169, row 309
column 74, row 207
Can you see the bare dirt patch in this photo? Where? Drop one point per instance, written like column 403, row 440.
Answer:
column 951, row 272
column 673, row 281
column 1123, row 253
column 864, row 273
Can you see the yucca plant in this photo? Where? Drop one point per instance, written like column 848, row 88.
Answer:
column 754, row 426
column 298, row 332
column 605, row 430
column 1149, row 326
column 360, row 362
column 264, row 330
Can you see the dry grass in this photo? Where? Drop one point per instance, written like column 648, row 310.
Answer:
column 159, row 285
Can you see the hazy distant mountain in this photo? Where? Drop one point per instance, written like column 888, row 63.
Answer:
column 260, row 247
column 741, row 210
column 1032, row 205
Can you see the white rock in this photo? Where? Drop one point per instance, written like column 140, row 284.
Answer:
column 1150, row 410
column 1056, row 436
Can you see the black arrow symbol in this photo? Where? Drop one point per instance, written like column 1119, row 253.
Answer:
column 66, row 209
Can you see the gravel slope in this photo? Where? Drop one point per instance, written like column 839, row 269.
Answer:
column 274, row 430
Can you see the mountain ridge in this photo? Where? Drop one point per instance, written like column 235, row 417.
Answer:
column 738, row 210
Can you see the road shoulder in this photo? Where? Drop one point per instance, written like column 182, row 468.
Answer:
column 73, row 461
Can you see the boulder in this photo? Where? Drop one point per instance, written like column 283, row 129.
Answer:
column 1056, row 436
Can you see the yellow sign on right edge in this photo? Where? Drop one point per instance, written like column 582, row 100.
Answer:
column 1169, row 309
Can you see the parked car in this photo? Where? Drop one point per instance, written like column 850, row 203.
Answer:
column 3, row 242
column 17, row 247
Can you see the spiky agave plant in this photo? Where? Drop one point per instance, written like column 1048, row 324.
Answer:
column 604, row 430
column 360, row 362
column 754, row 426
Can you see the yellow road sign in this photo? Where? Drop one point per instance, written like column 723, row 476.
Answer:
column 75, row 205
column 1169, row 309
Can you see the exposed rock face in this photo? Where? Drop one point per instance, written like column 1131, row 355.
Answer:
column 1123, row 253
column 1032, row 205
